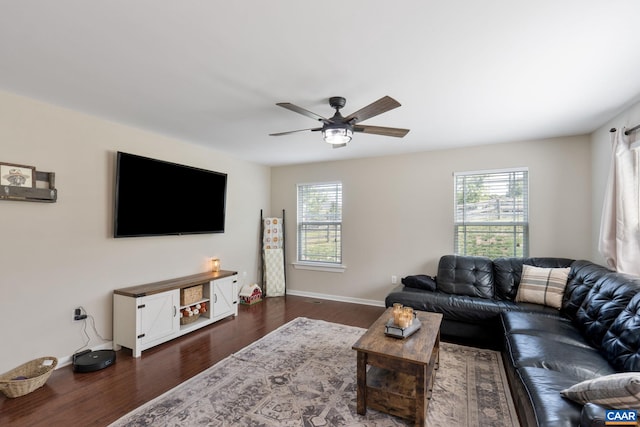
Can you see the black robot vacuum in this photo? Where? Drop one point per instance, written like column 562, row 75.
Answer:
column 90, row 361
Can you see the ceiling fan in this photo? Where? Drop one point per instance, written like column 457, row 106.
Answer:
column 338, row 130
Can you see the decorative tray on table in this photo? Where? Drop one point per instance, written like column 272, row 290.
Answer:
column 395, row 331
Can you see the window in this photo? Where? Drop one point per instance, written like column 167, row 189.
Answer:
column 320, row 223
column 491, row 213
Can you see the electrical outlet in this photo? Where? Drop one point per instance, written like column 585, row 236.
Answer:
column 394, row 280
column 78, row 315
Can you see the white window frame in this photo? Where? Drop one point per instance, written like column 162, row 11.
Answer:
column 308, row 264
column 462, row 221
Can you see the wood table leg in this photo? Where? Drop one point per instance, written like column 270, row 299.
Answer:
column 362, row 383
column 431, row 370
column 421, row 395
column 436, row 348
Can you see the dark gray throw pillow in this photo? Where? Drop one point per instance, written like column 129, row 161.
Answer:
column 420, row 281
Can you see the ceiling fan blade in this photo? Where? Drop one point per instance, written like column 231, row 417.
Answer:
column 338, row 145
column 382, row 105
column 294, row 131
column 302, row 111
column 381, row 130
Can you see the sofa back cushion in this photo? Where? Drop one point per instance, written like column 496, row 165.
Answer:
column 583, row 275
column 621, row 343
column 466, row 275
column 603, row 304
column 508, row 272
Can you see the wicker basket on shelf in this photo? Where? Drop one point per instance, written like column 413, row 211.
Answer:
column 190, row 295
column 185, row 320
column 27, row 377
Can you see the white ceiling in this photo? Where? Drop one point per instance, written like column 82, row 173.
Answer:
column 210, row 72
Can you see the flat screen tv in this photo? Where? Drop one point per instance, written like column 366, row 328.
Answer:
column 154, row 198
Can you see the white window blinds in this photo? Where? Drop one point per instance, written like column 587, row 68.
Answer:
column 320, row 222
column 492, row 213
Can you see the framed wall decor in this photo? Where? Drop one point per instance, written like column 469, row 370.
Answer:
column 17, row 175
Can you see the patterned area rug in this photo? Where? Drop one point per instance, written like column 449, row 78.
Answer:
column 304, row 374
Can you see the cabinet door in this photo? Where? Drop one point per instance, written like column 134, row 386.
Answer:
column 225, row 298
column 158, row 316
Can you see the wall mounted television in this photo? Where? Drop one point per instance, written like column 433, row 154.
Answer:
column 155, row 198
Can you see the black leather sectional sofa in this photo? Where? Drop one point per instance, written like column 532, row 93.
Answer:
column 595, row 332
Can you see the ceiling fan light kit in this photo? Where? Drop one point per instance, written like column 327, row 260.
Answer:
column 336, row 135
column 338, row 130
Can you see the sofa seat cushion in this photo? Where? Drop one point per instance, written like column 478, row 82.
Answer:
column 459, row 307
column 547, row 326
column 528, row 307
column 542, row 387
column 578, row 362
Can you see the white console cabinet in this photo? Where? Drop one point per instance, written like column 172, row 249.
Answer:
column 148, row 315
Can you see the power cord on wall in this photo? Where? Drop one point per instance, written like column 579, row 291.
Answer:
column 84, row 316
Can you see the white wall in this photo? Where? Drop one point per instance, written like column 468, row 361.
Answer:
column 398, row 210
column 55, row 257
column 398, row 218
column 601, row 160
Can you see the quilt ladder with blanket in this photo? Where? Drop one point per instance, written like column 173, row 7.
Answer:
column 273, row 256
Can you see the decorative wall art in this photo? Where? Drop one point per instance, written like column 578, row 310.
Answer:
column 17, row 175
column 24, row 183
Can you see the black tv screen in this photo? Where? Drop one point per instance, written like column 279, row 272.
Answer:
column 154, row 197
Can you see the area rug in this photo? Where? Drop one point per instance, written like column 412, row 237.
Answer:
column 304, row 374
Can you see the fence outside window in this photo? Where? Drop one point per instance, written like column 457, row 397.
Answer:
column 492, row 213
column 320, row 223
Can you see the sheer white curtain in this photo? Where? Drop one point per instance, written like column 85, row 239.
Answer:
column 620, row 227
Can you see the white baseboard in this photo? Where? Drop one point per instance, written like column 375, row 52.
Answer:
column 64, row 361
column 336, row 298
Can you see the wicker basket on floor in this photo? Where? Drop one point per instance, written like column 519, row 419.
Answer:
column 35, row 374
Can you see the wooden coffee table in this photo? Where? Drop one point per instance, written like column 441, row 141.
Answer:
column 400, row 378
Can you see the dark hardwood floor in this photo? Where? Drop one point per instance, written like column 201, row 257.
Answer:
column 99, row 398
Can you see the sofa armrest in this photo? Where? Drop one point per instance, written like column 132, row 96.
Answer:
column 592, row 415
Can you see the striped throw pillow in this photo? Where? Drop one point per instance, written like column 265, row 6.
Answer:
column 616, row 391
column 543, row 286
